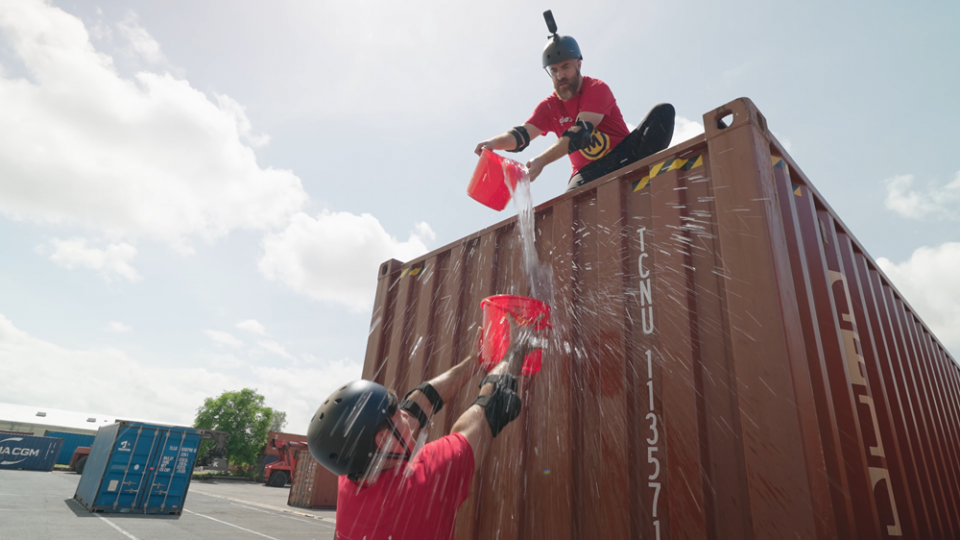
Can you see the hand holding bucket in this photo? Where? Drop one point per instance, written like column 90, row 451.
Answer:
column 489, row 184
column 530, row 315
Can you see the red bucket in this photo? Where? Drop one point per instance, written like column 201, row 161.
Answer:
column 496, row 328
column 488, row 186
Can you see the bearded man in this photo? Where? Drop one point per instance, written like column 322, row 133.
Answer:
column 584, row 115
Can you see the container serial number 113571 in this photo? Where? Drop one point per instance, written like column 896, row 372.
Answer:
column 653, row 438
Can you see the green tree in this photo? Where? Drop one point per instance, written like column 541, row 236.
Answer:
column 279, row 420
column 241, row 414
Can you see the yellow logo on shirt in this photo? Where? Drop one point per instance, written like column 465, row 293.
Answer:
column 599, row 146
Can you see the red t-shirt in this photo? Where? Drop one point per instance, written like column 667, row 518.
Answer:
column 415, row 501
column 554, row 114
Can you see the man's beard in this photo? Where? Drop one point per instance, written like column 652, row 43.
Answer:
column 573, row 86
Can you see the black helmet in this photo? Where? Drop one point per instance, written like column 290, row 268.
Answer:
column 559, row 48
column 342, row 433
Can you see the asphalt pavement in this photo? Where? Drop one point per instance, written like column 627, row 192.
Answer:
column 40, row 505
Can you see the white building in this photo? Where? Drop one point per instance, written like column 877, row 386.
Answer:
column 38, row 420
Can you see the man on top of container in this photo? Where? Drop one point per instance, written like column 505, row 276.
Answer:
column 583, row 113
column 388, row 490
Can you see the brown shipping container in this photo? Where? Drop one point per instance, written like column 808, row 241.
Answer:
column 727, row 361
column 313, row 486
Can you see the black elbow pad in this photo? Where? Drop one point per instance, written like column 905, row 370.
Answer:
column 522, row 136
column 580, row 139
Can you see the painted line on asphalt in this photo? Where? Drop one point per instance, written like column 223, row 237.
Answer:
column 254, row 509
column 273, row 513
column 232, row 525
column 267, row 506
column 115, row 526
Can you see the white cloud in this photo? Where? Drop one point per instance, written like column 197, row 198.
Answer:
column 335, row 256
column 787, row 145
column 929, row 281
column 133, row 389
column 74, row 253
column 685, row 129
column 299, row 391
column 275, row 348
column 148, row 156
column 252, row 325
column 933, row 203
column 140, row 40
column 118, row 327
column 225, row 361
column 223, row 338
column 153, row 390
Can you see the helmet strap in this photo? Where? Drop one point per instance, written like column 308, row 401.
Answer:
column 407, row 451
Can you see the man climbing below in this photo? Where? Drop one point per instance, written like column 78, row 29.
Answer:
column 388, row 489
column 584, row 115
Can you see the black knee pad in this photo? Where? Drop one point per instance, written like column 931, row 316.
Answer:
column 503, row 406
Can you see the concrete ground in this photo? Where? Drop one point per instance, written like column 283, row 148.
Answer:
column 40, row 505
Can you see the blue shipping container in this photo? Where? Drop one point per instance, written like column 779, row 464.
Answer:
column 71, row 441
column 139, row 468
column 28, row 453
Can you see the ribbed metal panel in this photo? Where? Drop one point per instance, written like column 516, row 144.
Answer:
column 139, row 468
column 71, row 441
column 312, row 486
column 27, row 452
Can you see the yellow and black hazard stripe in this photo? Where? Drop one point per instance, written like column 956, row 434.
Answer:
column 414, row 270
column 672, row 164
column 780, row 163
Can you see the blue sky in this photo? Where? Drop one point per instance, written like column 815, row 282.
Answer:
column 195, row 196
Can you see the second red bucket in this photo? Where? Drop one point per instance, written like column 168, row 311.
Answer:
column 496, row 328
column 488, row 185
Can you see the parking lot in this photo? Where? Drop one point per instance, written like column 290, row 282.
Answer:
column 40, row 505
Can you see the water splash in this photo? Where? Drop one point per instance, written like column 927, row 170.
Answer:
column 539, row 276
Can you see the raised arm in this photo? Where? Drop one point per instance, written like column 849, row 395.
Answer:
column 475, row 423
column 446, row 385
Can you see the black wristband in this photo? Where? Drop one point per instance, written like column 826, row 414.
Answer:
column 504, row 380
column 580, row 139
column 411, row 407
column 500, row 408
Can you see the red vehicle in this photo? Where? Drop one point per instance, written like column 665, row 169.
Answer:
column 278, row 473
column 79, row 459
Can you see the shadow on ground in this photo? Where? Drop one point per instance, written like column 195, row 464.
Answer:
column 82, row 512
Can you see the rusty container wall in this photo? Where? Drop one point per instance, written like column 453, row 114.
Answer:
column 727, row 361
column 313, row 486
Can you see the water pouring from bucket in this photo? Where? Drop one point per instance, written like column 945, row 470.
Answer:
column 494, row 180
column 495, row 339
